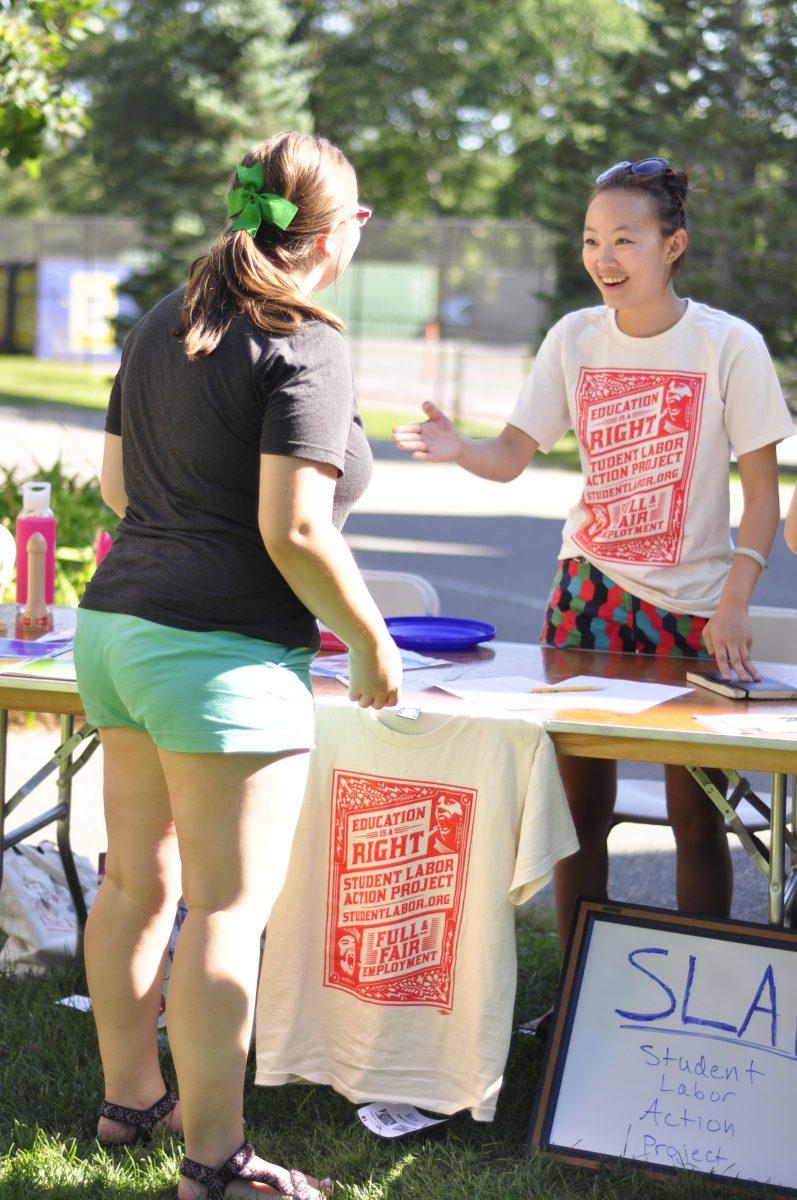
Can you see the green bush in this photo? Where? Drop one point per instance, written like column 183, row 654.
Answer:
column 81, row 513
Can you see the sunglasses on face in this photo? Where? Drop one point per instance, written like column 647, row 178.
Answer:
column 362, row 216
column 643, row 166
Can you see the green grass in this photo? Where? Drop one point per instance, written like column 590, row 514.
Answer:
column 50, row 1087
column 379, row 423
column 26, row 381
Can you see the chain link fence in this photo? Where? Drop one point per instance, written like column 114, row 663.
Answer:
column 448, row 310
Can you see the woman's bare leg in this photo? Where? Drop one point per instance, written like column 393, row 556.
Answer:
column 129, row 924
column 703, row 866
column 235, row 817
column 591, row 788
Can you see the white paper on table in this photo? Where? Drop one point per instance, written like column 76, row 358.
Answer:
column 59, row 635
column 81, row 1003
column 335, row 665
column 394, row 1120
column 610, row 695
column 781, row 723
column 500, row 691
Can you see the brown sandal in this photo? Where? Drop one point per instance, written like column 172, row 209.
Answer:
column 291, row 1184
column 143, row 1120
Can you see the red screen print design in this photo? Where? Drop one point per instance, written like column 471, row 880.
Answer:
column 399, row 852
column 640, row 431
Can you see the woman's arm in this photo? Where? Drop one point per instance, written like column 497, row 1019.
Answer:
column 790, row 525
column 112, row 479
column 295, row 518
column 727, row 635
column 436, row 439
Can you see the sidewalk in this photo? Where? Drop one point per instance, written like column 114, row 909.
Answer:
column 39, row 435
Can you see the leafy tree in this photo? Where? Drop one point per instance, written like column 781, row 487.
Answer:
column 714, row 88
column 37, row 39
column 179, row 91
column 432, row 101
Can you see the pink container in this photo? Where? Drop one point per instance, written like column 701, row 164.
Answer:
column 36, row 517
column 102, row 545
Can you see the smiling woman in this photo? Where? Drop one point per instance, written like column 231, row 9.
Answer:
column 660, row 391
column 635, row 242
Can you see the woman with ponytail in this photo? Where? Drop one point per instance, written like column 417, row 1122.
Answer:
column 660, row 391
column 233, row 453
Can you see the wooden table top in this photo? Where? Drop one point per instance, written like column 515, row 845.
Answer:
column 667, row 733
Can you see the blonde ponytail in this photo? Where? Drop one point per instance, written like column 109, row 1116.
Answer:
column 256, row 276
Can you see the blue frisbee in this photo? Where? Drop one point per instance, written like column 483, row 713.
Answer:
column 438, row 633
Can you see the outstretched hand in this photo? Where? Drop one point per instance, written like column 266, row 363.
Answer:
column 434, row 440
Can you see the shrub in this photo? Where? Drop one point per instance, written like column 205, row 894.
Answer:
column 81, row 513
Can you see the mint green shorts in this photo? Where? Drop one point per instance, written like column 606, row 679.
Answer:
column 196, row 692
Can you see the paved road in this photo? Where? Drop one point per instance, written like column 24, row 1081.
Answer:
column 473, row 540
column 488, row 549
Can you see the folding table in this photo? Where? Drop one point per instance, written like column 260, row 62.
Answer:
column 667, row 733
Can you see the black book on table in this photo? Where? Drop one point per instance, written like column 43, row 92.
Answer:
column 766, row 688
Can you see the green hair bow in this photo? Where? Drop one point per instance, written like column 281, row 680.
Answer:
column 252, row 205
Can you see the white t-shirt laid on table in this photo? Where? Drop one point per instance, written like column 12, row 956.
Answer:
column 656, row 419
column 389, row 969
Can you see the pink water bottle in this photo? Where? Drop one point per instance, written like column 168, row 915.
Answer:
column 36, row 517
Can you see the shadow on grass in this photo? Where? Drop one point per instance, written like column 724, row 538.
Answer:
column 81, row 415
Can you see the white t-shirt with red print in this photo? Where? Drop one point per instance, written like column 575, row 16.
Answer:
column 657, row 419
column 389, row 969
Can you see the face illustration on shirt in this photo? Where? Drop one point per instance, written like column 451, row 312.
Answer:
column 347, row 953
column 675, row 414
column 444, row 834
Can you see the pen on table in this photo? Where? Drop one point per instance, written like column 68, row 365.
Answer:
column 342, row 679
column 544, row 690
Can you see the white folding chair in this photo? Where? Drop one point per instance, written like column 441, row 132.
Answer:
column 643, row 802
column 774, row 633
column 400, row 594
column 774, row 640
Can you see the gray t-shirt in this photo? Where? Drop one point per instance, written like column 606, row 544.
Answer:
column 188, row 552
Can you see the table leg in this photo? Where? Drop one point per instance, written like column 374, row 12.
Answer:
column 790, row 886
column 3, row 753
column 755, row 849
column 777, row 850
column 62, row 828
column 771, row 862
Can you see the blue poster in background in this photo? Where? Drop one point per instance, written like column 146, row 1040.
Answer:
column 76, row 305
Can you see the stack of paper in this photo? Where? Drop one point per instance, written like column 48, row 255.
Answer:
column 56, row 673
column 765, row 724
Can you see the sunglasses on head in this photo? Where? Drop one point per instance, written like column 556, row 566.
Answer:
column 643, row 166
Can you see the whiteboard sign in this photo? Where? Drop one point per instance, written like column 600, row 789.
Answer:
column 674, row 1047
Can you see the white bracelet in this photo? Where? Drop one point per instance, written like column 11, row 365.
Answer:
column 756, row 557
